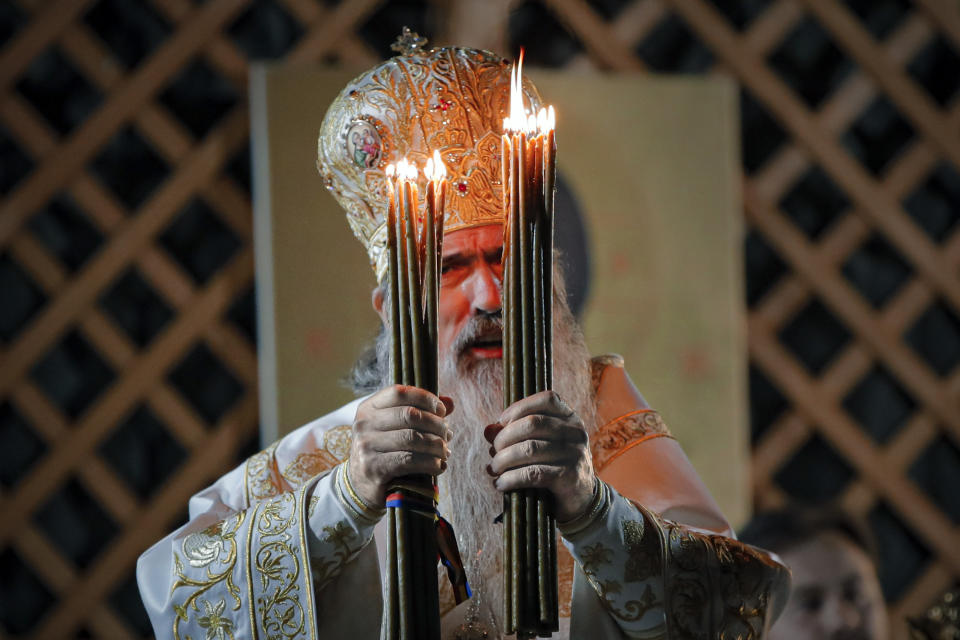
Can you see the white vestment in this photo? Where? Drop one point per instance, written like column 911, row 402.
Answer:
column 275, row 549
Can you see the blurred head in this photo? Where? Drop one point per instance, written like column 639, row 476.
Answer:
column 835, row 593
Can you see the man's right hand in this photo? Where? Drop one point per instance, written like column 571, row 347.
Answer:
column 398, row 431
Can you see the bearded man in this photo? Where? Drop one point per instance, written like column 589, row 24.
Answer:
column 291, row 543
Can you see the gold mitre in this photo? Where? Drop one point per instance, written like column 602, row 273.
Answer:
column 449, row 99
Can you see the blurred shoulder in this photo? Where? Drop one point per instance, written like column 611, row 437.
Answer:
column 615, row 393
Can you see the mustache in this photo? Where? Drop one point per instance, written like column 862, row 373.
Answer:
column 479, row 327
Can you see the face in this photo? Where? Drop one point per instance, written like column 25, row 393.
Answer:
column 835, row 594
column 470, row 287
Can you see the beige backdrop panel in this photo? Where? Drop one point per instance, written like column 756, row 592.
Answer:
column 654, row 165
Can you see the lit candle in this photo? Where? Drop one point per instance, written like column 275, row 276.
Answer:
column 411, row 610
column 436, row 174
column 528, row 178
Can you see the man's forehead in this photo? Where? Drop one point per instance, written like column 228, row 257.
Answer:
column 483, row 239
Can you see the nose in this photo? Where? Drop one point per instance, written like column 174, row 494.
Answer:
column 483, row 289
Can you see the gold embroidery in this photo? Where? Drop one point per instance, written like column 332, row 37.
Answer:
column 627, row 431
column 339, row 535
column 595, row 556
column 452, row 100
column 222, row 538
column 335, row 449
column 643, row 553
column 598, row 556
column 594, row 512
column 350, row 501
column 308, row 464
column 716, row 587
column 216, row 625
column 599, row 364
column 337, row 441
column 278, row 609
column 308, row 587
column 260, row 475
column 200, row 548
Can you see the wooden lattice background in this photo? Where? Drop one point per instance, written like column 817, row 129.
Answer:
column 127, row 359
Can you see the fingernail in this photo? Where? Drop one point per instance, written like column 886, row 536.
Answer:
column 490, row 471
column 491, row 430
column 448, row 435
column 440, row 409
column 443, row 466
column 448, row 403
column 446, row 451
column 493, row 452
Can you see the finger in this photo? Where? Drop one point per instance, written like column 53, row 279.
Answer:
column 398, row 395
column 404, row 463
column 530, row 477
column 412, row 441
column 540, row 427
column 408, row 417
column 548, row 403
column 531, row 452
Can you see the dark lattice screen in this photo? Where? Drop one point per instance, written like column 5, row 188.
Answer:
column 127, row 361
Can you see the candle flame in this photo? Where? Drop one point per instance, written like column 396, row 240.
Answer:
column 517, row 121
column 546, row 120
column 520, row 121
column 403, row 170
column 435, row 169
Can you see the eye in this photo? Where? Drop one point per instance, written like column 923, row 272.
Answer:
column 450, row 267
column 811, row 602
column 852, row 591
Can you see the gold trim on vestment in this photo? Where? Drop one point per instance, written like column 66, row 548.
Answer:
column 260, row 476
column 625, row 432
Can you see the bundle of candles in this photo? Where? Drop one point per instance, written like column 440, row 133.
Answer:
column 411, row 607
column 528, row 178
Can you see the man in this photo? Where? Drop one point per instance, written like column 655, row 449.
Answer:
column 836, row 594
column 287, row 544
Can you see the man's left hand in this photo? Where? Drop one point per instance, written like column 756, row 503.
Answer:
column 541, row 443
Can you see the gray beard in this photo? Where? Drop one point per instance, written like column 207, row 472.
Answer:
column 468, row 498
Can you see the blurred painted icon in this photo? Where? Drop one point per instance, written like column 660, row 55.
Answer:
column 364, row 144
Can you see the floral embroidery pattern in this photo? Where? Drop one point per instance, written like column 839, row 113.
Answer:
column 340, row 536
column 218, row 627
column 279, row 611
column 214, row 545
column 628, row 430
column 337, row 441
column 203, row 547
column 308, row 464
column 335, row 449
column 260, row 478
column 716, row 587
column 596, row 561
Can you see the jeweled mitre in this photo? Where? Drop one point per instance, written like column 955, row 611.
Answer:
column 448, row 99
